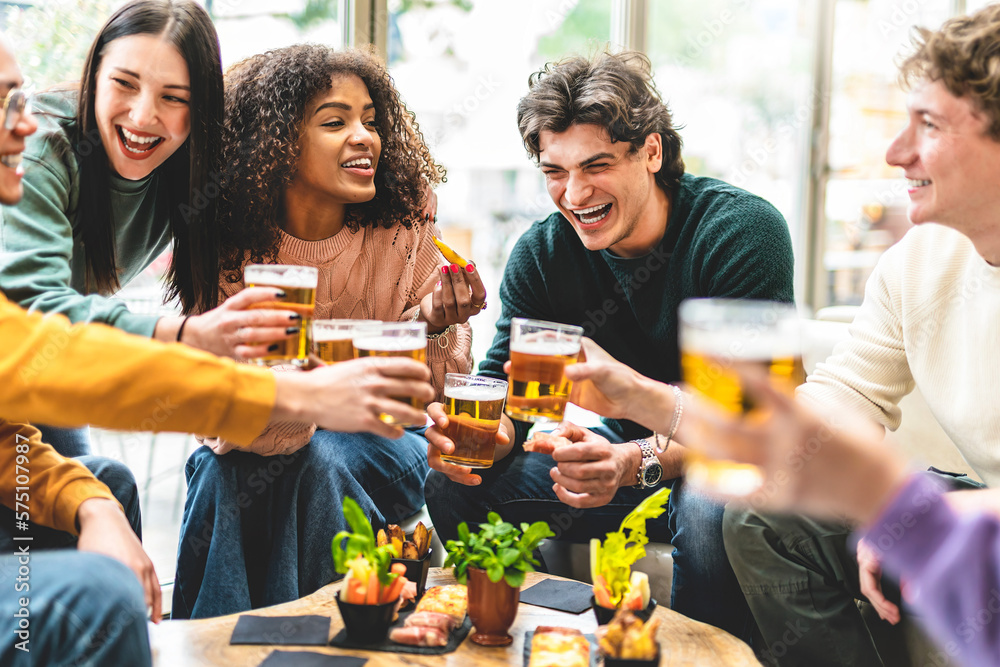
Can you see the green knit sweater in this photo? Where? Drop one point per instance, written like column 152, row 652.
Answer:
column 42, row 265
column 721, row 241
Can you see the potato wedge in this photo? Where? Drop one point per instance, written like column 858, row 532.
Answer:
column 421, row 539
column 381, row 539
column 397, row 547
column 396, row 533
column 410, row 550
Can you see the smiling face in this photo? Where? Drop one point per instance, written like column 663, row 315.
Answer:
column 608, row 194
column 12, row 141
column 141, row 103
column 951, row 164
column 340, row 145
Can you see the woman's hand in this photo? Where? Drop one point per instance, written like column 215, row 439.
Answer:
column 439, row 443
column 349, row 396
column 235, row 330
column 459, row 295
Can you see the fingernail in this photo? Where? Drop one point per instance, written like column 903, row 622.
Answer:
column 438, row 284
column 280, row 294
column 444, row 270
column 273, row 348
column 292, row 330
column 454, row 268
column 427, row 216
column 294, row 316
column 470, row 268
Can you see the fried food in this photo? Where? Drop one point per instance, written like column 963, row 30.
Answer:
column 628, row 638
column 414, row 549
column 450, row 254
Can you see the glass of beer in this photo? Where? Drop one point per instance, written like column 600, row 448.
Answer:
column 718, row 337
column 393, row 339
column 299, row 285
column 474, row 404
column 333, row 340
column 539, row 353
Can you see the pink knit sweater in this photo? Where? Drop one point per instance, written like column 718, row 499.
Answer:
column 371, row 274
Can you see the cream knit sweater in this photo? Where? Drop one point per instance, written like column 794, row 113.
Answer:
column 371, row 274
column 931, row 319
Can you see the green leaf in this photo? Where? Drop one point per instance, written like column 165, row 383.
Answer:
column 508, row 557
column 514, row 578
column 495, row 571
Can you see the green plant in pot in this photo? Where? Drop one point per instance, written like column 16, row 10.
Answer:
column 492, row 563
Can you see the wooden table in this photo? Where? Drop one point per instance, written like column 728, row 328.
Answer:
column 206, row 642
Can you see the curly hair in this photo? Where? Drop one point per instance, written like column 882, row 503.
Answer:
column 266, row 99
column 612, row 90
column 964, row 55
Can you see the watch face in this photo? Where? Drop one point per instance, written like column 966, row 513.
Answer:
column 652, row 474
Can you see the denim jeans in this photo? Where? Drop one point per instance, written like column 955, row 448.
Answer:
column 70, row 442
column 257, row 530
column 519, row 488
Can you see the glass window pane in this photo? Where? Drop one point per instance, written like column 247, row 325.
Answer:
column 462, row 66
column 866, row 198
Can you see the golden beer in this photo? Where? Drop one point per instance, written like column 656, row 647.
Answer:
column 718, row 338
column 474, row 405
column 333, row 340
column 299, row 285
column 394, row 339
column 539, row 353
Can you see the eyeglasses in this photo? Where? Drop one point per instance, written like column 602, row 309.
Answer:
column 13, row 108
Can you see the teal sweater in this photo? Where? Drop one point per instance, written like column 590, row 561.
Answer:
column 42, row 264
column 720, row 242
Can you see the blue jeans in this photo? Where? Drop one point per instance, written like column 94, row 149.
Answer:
column 519, row 488
column 257, row 530
column 70, row 442
column 83, row 609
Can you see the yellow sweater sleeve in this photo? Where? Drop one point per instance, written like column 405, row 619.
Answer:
column 38, row 484
column 66, row 375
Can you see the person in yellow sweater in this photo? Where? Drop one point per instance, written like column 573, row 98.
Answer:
column 88, row 605
column 326, row 169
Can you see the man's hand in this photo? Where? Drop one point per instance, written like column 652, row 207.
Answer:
column 105, row 530
column 438, row 443
column 870, row 575
column 604, row 385
column 589, row 472
column 349, row 396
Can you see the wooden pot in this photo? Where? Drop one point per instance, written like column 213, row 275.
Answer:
column 492, row 608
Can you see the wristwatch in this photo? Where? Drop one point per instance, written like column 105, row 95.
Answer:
column 650, row 470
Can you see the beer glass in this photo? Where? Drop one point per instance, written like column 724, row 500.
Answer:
column 333, row 340
column 393, row 339
column 299, row 285
column 474, row 404
column 539, row 353
column 719, row 336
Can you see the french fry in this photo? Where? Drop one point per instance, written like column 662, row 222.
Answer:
column 450, row 254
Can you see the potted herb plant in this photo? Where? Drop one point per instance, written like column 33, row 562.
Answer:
column 371, row 589
column 615, row 585
column 492, row 563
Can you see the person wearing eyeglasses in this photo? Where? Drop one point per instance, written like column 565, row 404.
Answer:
column 86, row 603
column 124, row 167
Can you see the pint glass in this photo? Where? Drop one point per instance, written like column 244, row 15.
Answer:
column 719, row 336
column 539, row 353
column 393, row 339
column 474, row 404
column 333, row 340
column 299, row 285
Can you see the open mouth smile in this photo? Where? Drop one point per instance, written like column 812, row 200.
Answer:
column 137, row 146
column 361, row 166
column 592, row 215
column 913, row 183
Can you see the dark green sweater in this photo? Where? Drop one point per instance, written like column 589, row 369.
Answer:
column 721, row 241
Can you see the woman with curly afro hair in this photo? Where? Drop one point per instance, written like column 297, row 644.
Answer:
column 326, row 168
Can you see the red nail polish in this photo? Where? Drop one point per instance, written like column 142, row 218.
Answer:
column 454, row 268
column 438, row 284
column 470, row 268
column 444, row 270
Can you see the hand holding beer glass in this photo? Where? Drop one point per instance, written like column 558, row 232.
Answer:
column 333, row 340
column 299, row 286
column 393, row 339
column 474, row 405
column 539, row 353
column 718, row 337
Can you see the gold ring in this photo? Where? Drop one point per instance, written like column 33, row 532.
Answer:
column 479, row 306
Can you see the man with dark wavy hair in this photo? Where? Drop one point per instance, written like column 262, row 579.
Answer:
column 633, row 236
column 928, row 320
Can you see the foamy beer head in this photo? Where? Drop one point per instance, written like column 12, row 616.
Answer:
column 333, row 340
column 539, row 354
column 393, row 339
column 474, row 404
column 719, row 337
column 299, row 285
